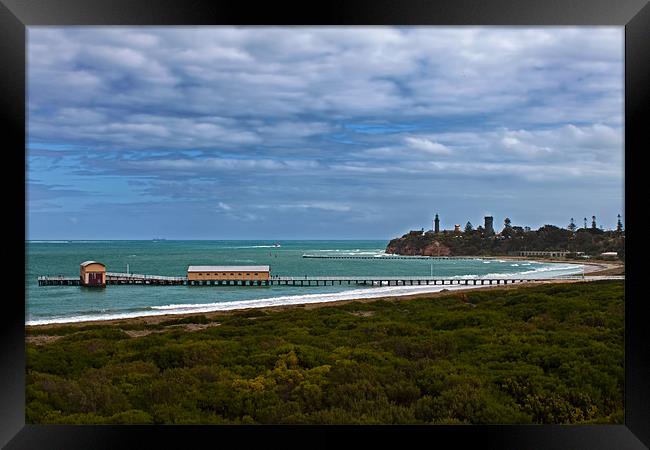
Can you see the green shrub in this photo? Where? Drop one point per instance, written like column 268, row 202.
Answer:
column 540, row 354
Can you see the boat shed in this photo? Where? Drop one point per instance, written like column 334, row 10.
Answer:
column 92, row 273
column 228, row 273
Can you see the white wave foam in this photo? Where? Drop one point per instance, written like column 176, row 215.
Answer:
column 376, row 292
column 550, row 271
column 253, row 246
column 546, row 271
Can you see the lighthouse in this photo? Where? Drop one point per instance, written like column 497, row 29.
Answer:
column 436, row 225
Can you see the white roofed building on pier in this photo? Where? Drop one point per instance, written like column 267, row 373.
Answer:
column 195, row 273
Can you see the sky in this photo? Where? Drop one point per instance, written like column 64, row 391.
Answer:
column 319, row 132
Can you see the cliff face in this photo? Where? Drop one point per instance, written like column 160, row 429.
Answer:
column 412, row 245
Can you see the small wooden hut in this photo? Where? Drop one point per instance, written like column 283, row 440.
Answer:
column 93, row 274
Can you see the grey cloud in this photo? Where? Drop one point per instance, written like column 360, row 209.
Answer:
column 275, row 72
column 229, row 113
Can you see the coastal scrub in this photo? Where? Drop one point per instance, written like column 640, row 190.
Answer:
column 532, row 354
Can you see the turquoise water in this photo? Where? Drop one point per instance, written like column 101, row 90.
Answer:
column 46, row 304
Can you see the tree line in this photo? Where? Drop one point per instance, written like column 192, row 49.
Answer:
column 470, row 242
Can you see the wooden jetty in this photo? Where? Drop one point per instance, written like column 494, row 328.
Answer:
column 391, row 257
column 58, row 280
column 113, row 278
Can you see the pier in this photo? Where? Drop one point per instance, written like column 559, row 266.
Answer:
column 391, row 257
column 113, row 278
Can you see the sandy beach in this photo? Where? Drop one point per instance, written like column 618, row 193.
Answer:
column 592, row 268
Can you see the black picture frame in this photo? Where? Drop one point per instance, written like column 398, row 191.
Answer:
column 16, row 15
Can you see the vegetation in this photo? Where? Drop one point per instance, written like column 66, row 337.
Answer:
column 475, row 242
column 541, row 354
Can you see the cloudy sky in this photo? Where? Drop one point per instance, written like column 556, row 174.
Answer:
column 321, row 132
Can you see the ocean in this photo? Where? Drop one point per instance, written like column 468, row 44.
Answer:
column 61, row 304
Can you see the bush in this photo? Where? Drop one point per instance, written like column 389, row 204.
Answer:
column 542, row 354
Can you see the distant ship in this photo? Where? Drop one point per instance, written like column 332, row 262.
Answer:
column 277, row 244
column 158, row 239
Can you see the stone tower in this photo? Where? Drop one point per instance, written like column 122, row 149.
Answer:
column 436, row 227
column 489, row 225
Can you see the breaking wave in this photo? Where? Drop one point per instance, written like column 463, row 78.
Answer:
column 252, row 246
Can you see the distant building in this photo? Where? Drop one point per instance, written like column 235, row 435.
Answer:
column 457, row 228
column 436, row 227
column 236, row 273
column 489, row 225
column 609, row 254
column 92, row 274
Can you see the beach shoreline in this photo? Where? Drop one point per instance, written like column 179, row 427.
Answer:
column 591, row 269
